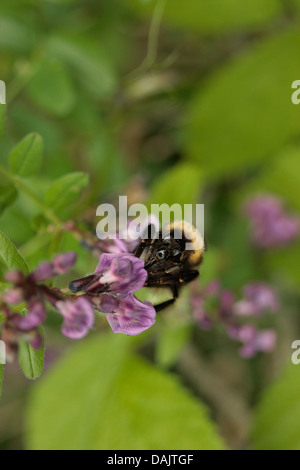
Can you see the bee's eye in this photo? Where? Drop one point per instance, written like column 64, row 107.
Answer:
column 161, row 254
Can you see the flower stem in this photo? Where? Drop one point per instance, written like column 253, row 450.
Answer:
column 153, row 37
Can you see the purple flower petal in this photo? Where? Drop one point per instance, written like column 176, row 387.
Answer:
column 133, row 316
column 264, row 206
column 212, row 288
column 271, row 226
column 35, row 316
column 124, row 273
column 248, row 350
column 200, row 316
column 64, row 262
column 266, row 340
column 258, row 298
column 242, row 333
column 253, row 339
column 43, row 272
column 226, row 304
column 108, row 303
column 15, row 277
column 14, row 296
column 78, row 317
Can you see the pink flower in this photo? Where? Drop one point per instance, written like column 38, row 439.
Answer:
column 110, row 290
column 258, row 299
column 78, row 317
column 271, row 226
column 35, row 316
column 131, row 316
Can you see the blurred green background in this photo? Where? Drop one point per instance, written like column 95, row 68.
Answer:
column 165, row 101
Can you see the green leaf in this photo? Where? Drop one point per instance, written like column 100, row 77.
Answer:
column 31, row 360
column 214, row 16
column 2, row 119
column 25, row 159
column 91, row 64
column 210, row 269
column 281, row 178
column 244, row 113
column 10, row 255
column 295, row 4
column 288, row 268
column 173, row 336
column 52, row 89
column 277, row 417
column 65, row 190
column 26, row 119
column 179, row 185
column 15, row 35
column 120, row 401
column 8, row 195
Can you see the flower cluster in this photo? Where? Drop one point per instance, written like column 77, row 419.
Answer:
column 271, row 226
column 110, row 290
column 32, row 293
column 258, row 299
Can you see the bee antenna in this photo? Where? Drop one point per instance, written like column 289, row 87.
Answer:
column 149, row 232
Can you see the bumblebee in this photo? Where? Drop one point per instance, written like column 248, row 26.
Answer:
column 168, row 262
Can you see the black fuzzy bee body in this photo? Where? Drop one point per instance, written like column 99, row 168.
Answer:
column 168, row 262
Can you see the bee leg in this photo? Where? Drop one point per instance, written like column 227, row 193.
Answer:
column 140, row 248
column 164, row 305
column 174, row 290
column 189, row 276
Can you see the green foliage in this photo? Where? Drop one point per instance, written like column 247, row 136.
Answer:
column 65, row 190
column 91, row 66
column 211, row 266
column 25, row 159
column 179, row 185
column 295, row 4
column 214, row 16
column 276, row 421
column 16, row 36
column 120, row 401
column 279, row 178
column 173, row 336
column 2, row 119
column 283, row 263
column 31, row 360
column 8, row 195
column 52, row 89
column 10, row 255
column 244, row 114
column 26, row 120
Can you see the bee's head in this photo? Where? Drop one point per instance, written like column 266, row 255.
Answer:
column 170, row 246
column 163, row 250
